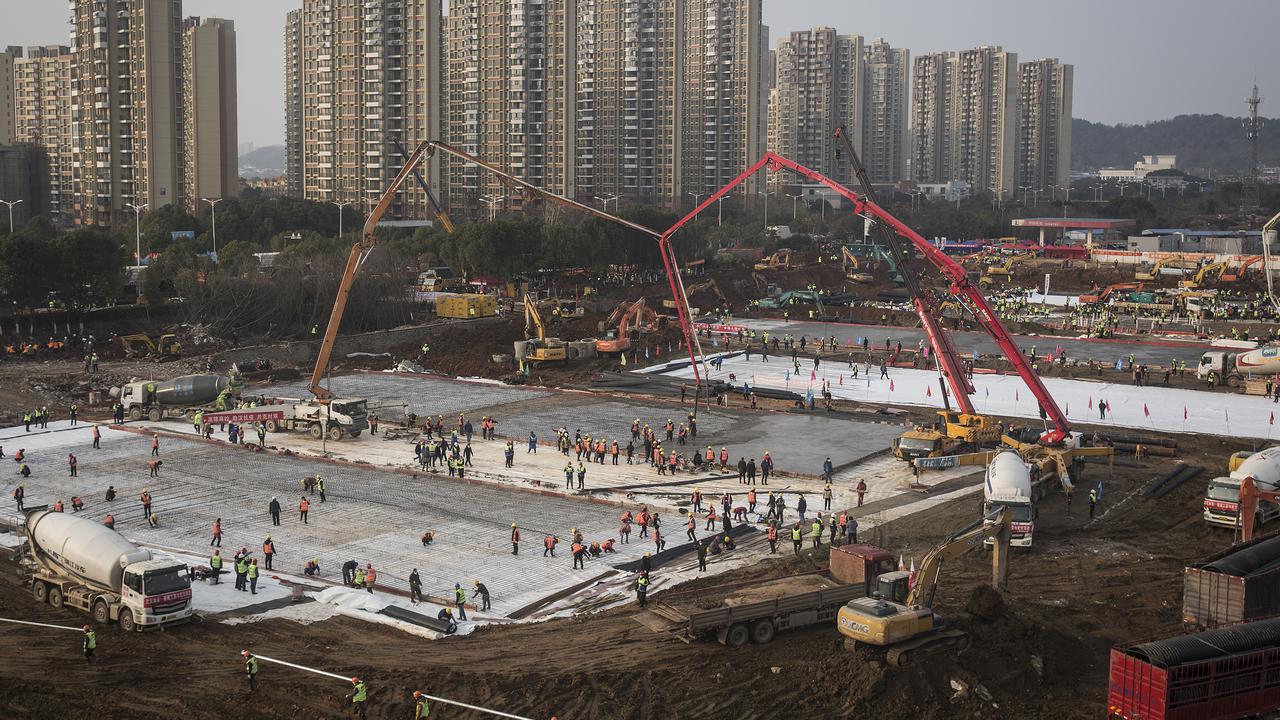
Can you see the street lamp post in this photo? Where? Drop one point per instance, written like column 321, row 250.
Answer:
column 214, row 216
column 1024, row 189
column 10, row 203
column 720, row 208
column 604, row 202
column 341, row 206
column 696, row 197
column 137, row 230
column 766, row 207
column 794, row 199
column 492, row 201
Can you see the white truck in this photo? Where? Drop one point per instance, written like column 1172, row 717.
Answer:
column 1222, row 501
column 337, row 418
column 76, row 562
column 1008, row 485
column 1230, row 367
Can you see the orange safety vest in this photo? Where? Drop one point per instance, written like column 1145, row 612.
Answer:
column 549, row 541
column 304, row 505
column 773, row 533
column 268, row 548
column 370, row 575
column 217, row 528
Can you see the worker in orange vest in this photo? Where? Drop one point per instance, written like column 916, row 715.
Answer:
column 549, row 545
column 515, row 539
column 217, row 533
column 751, row 500
column 579, row 556
column 773, row 537
column 689, row 526
column 370, row 575
column 303, row 507
column 724, row 459
column 268, row 550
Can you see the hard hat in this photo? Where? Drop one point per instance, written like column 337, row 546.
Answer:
column 242, row 652
column 355, row 681
column 457, row 585
column 86, row 628
column 513, row 524
column 268, row 537
column 417, row 694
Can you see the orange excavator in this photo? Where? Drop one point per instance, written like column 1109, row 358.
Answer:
column 1101, row 296
column 1234, row 274
column 637, row 318
column 1250, row 496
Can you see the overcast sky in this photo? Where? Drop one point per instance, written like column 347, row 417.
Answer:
column 1135, row 60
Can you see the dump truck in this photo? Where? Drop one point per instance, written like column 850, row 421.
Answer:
column 1008, row 486
column 177, row 397
column 72, row 561
column 1222, row 499
column 1211, row 675
column 756, row 611
column 1232, row 367
column 1239, row 584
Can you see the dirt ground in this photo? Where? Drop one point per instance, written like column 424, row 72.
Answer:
column 1083, row 587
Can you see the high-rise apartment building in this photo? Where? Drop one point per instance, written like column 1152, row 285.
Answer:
column 293, row 103
column 643, row 99
column 7, row 59
column 964, row 117
column 824, row 81
column 210, row 160
column 1044, row 124
column 722, row 94
column 885, row 99
column 371, row 74
column 42, row 117
column 126, row 107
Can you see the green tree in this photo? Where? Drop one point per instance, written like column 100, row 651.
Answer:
column 90, row 265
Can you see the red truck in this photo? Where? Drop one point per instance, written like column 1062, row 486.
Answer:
column 1230, row 672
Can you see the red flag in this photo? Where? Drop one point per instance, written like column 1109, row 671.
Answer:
column 928, row 390
column 1016, row 395
column 1090, row 402
column 890, row 386
column 1145, row 411
column 1068, row 410
column 1184, row 412
column 841, row 378
column 1272, row 421
column 813, row 375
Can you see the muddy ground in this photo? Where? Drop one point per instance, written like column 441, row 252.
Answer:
column 1083, row 587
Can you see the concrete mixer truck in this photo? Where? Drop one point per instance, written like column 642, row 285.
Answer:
column 1231, row 367
column 1222, row 500
column 1008, row 486
column 75, row 562
column 181, row 396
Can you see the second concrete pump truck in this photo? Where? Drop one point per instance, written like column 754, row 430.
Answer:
column 961, row 290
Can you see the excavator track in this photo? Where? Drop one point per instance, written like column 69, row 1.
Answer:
column 904, row 653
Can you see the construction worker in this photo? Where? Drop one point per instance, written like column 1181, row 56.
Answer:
column 90, row 643
column 568, row 476
column 358, row 581
column 724, row 459
column 751, row 500
column 268, row 550
column 215, row 564
column 862, row 491
column 250, row 669
column 71, row 463
column 19, row 493
column 153, row 466
column 359, row 696
column 146, row 503
column 582, row 474
column 773, row 537
column 303, row 507
column 460, row 599
column 479, row 589
column 549, row 545
column 57, row 505
column 217, row 533
column 320, row 488
column 1093, row 501
column 415, row 587
column 702, row 556
column 420, row 710
column 97, row 437
column 642, row 589
column 696, row 499
column 370, row 577
column 579, row 555
column 155, row 444
column 274, row 509
column 252, row 574
column 797, row 537
column 689, row 527
column 515, row 539
column 109, row 521
column 826, row 496
column 815, row 530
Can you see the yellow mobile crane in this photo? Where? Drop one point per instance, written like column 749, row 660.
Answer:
column 901, row 618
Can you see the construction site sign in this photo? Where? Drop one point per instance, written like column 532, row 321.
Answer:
column 243, row 416
column 717, row 328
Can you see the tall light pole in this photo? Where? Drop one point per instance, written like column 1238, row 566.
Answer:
column 341, row 207
column 213, row 215
column 492, row 201
column 604, row 202
column 720, row 208
column 10, row 203
column 794, row 199
column 766, row 208
column 696, row 196
column 1024, row 189
column 137, row 230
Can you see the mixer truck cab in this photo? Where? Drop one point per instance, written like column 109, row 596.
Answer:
column 1008, row 486
column 75, row 562
column 1222, row 500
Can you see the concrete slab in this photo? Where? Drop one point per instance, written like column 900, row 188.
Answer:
column 388, row 394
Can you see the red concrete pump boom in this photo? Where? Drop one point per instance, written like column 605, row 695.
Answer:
column 954, row 272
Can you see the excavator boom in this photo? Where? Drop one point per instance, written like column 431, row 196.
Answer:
column 998, row 527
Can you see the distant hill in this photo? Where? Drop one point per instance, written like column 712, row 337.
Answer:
column 263, row 162
column 1199, row 141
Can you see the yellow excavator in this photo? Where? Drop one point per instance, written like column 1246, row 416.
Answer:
column 1203, row 274
column 1154, row 272
column 140, row 345
column 852, row 265
column 900, row 617
column 539, row 347
column 951, row 433
column 780, row 260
